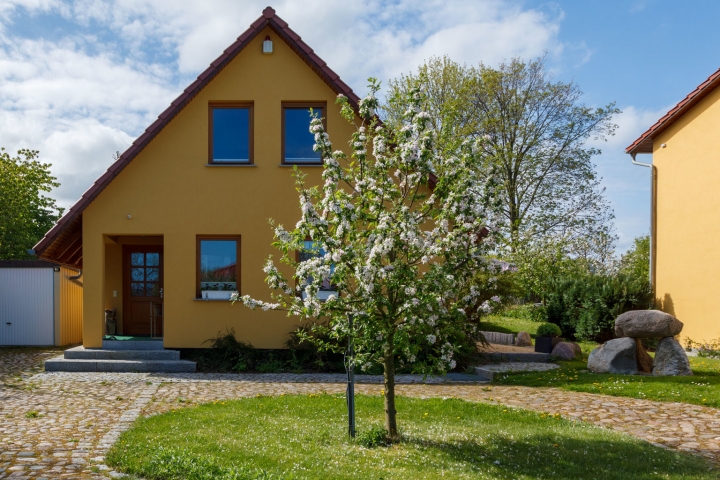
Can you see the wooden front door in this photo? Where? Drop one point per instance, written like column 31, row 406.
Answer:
column 143, row 290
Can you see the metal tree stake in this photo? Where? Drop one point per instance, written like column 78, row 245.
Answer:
column 350, row 368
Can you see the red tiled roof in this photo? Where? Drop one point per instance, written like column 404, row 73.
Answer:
column 644, row 144
column 72, row 218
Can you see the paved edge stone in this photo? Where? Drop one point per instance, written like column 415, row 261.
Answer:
column 123, row 424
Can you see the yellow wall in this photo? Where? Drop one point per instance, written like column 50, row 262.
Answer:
column 169, row 190
column 71, row 302
column 687, row 277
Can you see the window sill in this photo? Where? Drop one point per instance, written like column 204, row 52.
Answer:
column 226, row 300
column 231, row 165
column 291, row 165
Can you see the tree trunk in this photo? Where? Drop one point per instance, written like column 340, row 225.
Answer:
column 389, row 374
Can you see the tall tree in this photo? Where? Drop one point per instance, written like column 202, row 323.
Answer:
column 25, row 213
column 534, row 133
column 402, row 261
column 636, row 261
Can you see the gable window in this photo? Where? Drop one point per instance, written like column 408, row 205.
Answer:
column 297, row 141
column 312, row 250
column 231, row 135
column 218, row 266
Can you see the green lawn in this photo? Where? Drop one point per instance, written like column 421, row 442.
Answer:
column 497, row 323
column 304, row 437
column 701, row 389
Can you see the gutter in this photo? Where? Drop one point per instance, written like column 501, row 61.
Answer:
column 652, row 217
column 76, row 277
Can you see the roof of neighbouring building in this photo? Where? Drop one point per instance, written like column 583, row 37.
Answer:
column 644, row 143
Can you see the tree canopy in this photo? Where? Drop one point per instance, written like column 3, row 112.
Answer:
column 386, row 249
column 25, row 213
column 637, row 259
column 534, row 133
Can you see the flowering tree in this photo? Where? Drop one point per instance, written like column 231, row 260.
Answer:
column 399, row 248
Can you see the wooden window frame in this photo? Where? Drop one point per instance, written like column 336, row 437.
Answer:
column 251, row 131
column 198, row 239
column 285, row 105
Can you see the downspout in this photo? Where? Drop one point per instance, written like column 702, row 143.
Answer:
column 76, row 277
column 652, row 219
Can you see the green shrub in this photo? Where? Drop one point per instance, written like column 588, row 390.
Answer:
column 709, row 349
column 228, row 354
column 271, row 365
column 585, row 306
column 548, row 330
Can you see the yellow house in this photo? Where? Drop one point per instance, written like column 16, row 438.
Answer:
column 685, row 241
column 180, row 220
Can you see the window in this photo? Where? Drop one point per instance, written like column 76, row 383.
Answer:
column 231, row 135
column 218, row 266
column 311, row 250
column 297, row 142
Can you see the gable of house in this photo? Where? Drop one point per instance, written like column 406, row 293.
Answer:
column 164, row 194
column 63, row 242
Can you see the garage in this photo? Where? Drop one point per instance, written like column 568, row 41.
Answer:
column 40, row 304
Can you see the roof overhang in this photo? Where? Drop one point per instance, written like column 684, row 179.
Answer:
column 644, row 143
column 63, row 243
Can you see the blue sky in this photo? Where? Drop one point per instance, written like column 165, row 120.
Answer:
column 79, row 80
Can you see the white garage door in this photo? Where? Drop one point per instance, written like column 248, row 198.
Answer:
column 26, row 306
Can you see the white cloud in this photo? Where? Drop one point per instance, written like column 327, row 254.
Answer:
column 632, row 123
column 83, row 96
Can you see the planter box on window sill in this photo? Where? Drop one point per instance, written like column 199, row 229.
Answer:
column 216, row 294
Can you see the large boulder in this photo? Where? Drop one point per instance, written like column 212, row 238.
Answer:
column 670, row 358
column 614, row 356
column 647, row 324
column 523, row 339
column 567, row 351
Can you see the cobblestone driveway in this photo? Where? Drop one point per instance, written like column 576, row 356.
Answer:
column 59, row 425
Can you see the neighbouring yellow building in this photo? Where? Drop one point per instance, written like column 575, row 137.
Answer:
column 685, row 241
column 180, row 220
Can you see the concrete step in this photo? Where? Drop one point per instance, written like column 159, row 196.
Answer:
column 133, row 344
column 79, row 365
column 82, row 353
column 529, row 357
column 486, row 372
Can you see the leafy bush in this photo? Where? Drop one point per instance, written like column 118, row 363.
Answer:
column 376, row 436
column 548, row 330
column 585, row 306
column 271, row 365
column 228, row 354
column 709, row 349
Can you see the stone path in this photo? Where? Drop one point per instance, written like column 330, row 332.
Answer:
column 60, row 425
